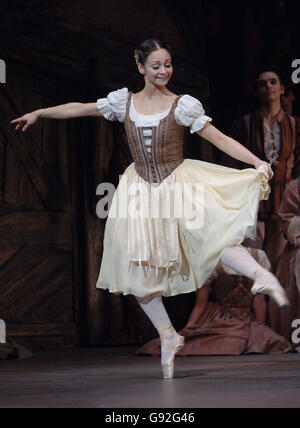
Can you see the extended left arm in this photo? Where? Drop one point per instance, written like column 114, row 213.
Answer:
column 231, row 147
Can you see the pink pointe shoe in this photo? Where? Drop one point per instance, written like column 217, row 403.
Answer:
column 267, row 283
column 171, row 343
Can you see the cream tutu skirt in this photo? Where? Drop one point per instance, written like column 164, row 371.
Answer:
column 167, row 238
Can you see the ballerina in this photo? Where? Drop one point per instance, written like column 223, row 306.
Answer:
column 150, row 256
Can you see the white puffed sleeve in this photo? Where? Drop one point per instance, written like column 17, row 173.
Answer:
column 189, row 112
column 113, row 107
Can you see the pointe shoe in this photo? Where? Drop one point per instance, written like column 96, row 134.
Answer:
column 170, row 347
column 269, row 285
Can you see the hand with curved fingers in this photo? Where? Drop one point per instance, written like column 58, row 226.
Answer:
column 259, row 162
column 25, row 121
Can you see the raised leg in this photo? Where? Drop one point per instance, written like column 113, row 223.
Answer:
column 239, row 259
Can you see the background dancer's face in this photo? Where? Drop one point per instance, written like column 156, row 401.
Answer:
column 158, row 68
column 269, row 87
column 287, row 101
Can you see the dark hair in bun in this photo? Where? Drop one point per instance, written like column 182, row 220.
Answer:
column 147, row 47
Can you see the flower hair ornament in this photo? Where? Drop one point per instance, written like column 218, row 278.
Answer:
column 136, row 56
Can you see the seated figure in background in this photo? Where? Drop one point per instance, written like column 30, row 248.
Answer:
column 227, row 319
column 288, row 268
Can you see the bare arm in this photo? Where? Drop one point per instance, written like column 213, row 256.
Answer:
column 231, row 147
column 63, row 111
column 70, row 110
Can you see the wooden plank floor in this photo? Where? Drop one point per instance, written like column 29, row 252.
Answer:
column 116, row 378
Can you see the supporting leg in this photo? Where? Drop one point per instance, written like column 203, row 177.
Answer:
column 171, row 342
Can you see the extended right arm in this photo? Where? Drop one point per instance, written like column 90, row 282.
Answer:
column 63, row 111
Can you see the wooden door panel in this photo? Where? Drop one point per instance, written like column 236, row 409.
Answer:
column 38, row 299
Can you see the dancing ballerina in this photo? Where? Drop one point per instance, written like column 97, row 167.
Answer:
column 152, row 256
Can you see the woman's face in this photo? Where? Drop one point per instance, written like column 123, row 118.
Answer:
column 268, row 87
column 158, row 68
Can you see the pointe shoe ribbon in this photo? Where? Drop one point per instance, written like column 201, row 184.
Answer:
column 269, row 285
column 170, row 345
